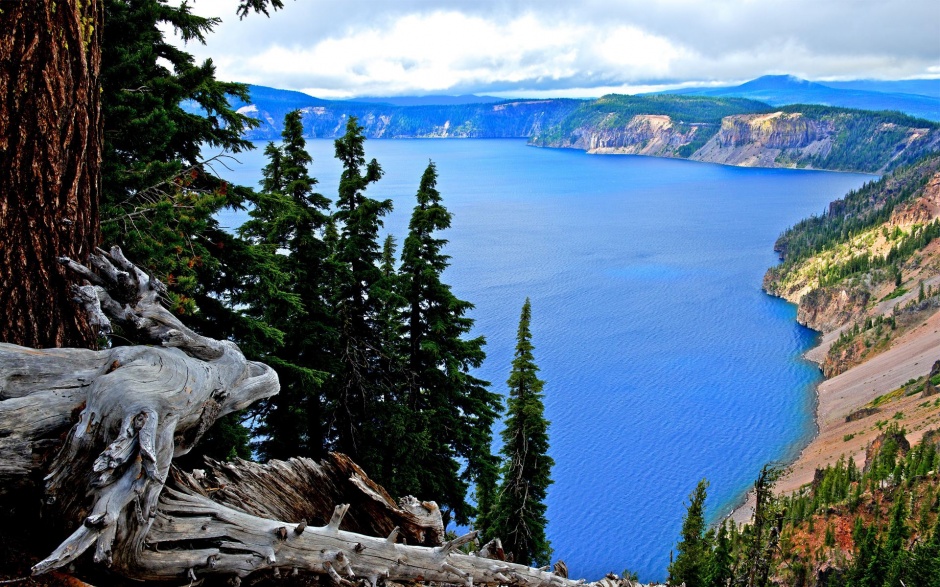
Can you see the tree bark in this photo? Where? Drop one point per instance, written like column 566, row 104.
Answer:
column 50, row 154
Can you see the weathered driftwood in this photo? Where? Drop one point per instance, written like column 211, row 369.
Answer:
column 302, row 489
column 105, row 426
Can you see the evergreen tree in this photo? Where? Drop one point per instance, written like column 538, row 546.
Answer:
column 286, row 223
column 451, row 412
column 693, row 552
column 157, row 199
column 720, row 570
column 519, row 514
column 355, row 413
column 765, row 529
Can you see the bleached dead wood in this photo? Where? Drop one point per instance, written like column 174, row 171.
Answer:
column 125, row 413
column 303, row 489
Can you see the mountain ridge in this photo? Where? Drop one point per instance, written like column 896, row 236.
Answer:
column 782, row 90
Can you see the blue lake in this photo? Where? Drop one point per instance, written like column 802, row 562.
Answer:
column 663, row 360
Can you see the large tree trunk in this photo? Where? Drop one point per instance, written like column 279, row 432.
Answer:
column 100, row 429
column 50, row 154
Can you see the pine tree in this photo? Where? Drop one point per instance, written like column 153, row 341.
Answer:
column 722, row 560
column 355, row 413
column 157, row 199
column 519, row 514
column 286, row 224
column 693, row 552
column 765, row 529
column 451, row 412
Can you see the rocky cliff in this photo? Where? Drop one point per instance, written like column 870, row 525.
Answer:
column 777, row 139
column 796, row 136
column 326, row 119
column 656, row 135
column 869, row 271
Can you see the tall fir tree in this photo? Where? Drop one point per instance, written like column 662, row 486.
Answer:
column 519, row 514
column 288, row 221
column 721, row 566
column 450, row 412
column 764, row 530
column 693, row 552
column 356, row 415
column 157, row 199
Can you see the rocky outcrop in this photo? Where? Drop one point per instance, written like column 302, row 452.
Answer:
column 921, row 210
column 838, row 361
column 930, row 388
column 767, row 140
column 645, row 134
column 827, row 308
column 874, row 447
column 774, row 131
column 861, row 414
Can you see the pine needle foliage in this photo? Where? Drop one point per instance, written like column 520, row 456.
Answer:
column 693, row 552
column 449, row 411
column 287, row 223
column 158, row 195
column 357, row 384
column 519, row 514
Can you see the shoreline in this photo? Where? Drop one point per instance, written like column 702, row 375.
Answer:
column 910, row 356
column 874, row 174
column 738, row 512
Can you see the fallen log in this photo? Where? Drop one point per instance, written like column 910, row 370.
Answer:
column 103, row 428
column 302, row 489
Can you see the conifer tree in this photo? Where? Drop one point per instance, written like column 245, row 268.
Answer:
column 157, row 199
column 720, row 570
column 519, row 514
column 451, row 412
column 693, row 552
column 286, row 223
column 355, row 414
column 765, row 529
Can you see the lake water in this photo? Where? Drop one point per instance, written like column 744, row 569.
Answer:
column 663, row 360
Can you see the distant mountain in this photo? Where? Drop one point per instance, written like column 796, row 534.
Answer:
column 431, row 100
column 923, row 87
column 781, row 90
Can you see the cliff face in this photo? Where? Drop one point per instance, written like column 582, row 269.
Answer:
column 645, row 134
column 767, row 140
column 816, row 137
column 827, row 308
column 773, row 131
column 514, row 119
column 869, row 271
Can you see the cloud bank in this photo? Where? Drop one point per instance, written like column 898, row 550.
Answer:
column 351, row 48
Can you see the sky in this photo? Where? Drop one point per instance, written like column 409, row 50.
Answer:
column 565, row 48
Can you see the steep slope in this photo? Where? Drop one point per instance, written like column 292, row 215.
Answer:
column 867, row 275
column 746, row 133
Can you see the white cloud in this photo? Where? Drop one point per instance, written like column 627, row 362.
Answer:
column 361, row 47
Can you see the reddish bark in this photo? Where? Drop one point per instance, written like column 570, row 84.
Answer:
column 50, row 159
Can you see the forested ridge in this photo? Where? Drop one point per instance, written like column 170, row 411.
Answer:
column 819, row 137
column 857, row 212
